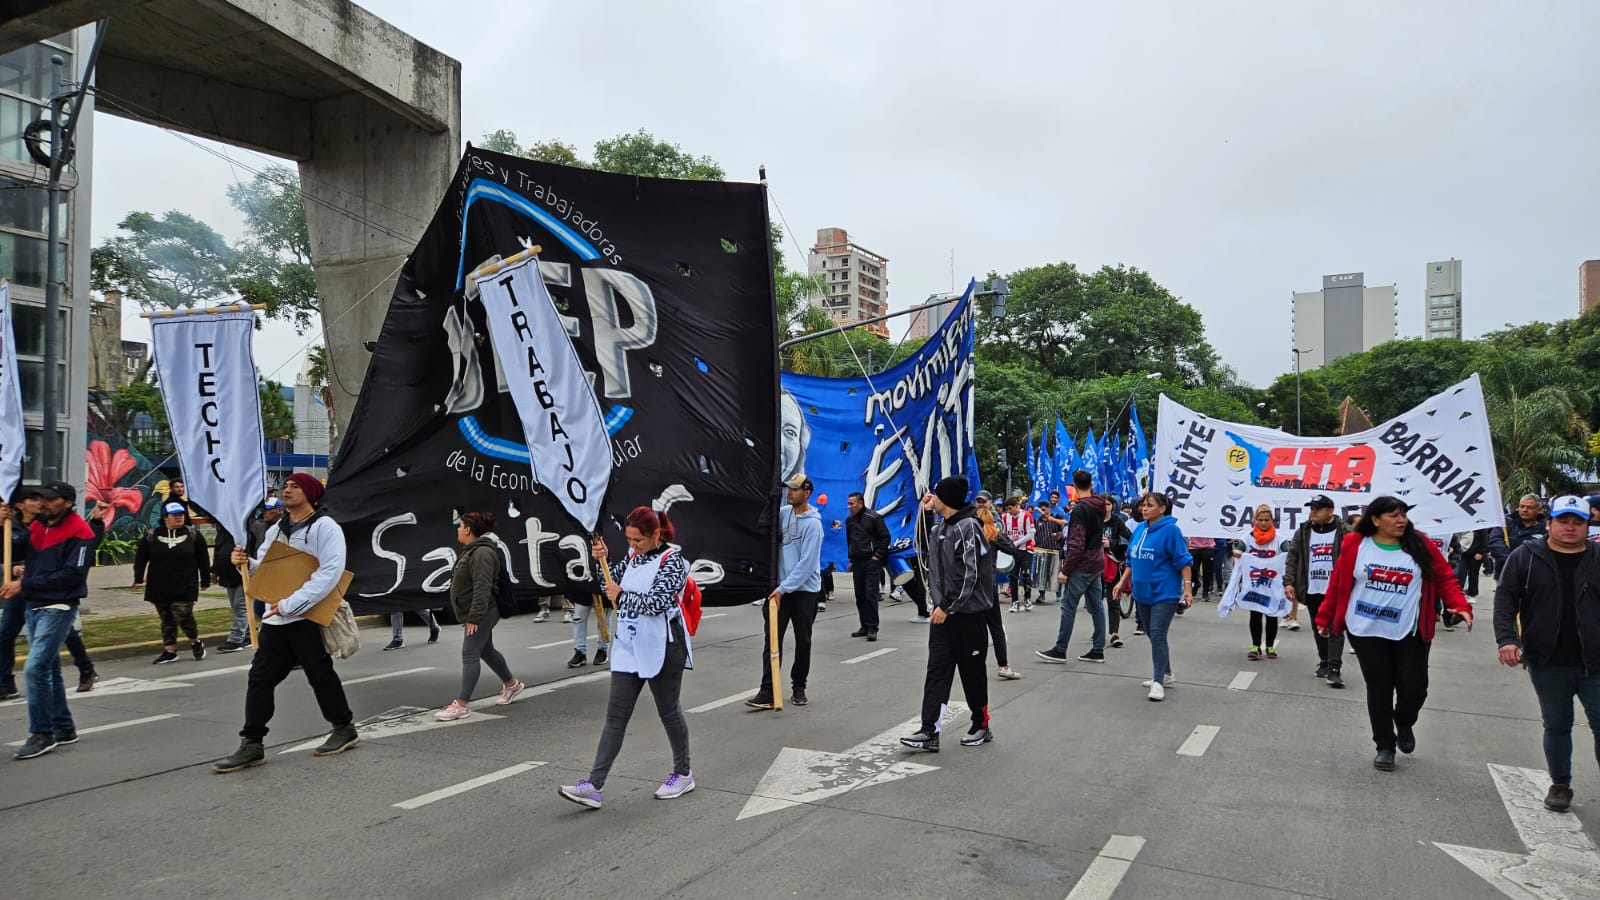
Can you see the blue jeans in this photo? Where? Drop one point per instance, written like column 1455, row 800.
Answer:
column 580, row 627
column 1555, row 687
column 1087, row 586
column 12, row 617
column 47, row 693
column 1157, row 619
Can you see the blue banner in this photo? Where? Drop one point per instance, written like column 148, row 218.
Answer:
column 1141, row 452
column 890, row 436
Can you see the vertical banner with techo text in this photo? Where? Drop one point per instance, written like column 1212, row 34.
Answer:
column 12, row 437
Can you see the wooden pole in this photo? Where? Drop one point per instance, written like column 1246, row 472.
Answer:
column 506, row 263
column 200, row 310
column 600, row 607
column 8, row 548
column 249, row 607
column 774, row 652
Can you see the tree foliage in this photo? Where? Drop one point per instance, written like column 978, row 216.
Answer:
column 1318, row 411
column 272, row 265
column 166, row 263
column 277, row 419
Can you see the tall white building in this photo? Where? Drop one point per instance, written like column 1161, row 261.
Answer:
column 1344, row 317
column 855, row 280
column 1442, row 315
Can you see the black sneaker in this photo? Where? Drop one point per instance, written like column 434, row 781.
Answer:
column 1335, row 680
column 433, row 634
column 1052, row 655
column 799, row 698
column 978, row 738
column 759, row 701
column 250, row 753
column 859, row 632
column 1116, row 641
column 198, row 649
column 1384, row 761
column 395, row 644
column 922, row 740
column 165, row 657
column 230, row 647
column 872, row 636
column 1322, row 670
column 1406, row 739
column 1559, row 799
column 1098, row 656
column 579, row 660
column 600, row 657
column 341, row 739
column 36, row 745
column 8, row 691
column 86, row 681
column 70, row 736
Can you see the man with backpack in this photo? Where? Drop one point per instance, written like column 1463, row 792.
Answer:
column 287, row 638
column 799, row 590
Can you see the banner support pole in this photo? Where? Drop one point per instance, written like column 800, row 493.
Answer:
column 774, row 652
column 249, row 608
column 7, row 550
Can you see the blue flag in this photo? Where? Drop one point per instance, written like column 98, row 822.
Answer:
column 1033, row 467
column 1090, row 460
column 1066, row 459
column 1141, row 454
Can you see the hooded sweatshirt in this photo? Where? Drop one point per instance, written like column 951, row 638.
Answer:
column 1085, row 526
column 800, row 565
column 961, row 564
column 1157, row 553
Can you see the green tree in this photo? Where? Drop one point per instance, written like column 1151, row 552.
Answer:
column 1318, row 413
column 166, row 263
column 277, row 419
column 1532, row 398
column 319, row 376
column 1399, row 375
column 272, row 265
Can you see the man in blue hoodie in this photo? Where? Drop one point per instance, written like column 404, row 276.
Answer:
column 799, row 590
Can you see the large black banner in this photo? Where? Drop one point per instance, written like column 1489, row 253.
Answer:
column 666, row 290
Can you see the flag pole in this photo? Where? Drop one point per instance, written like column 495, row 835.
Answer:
column 201, row 310
column 249, row 607
column 7, row 550
column 774, row 652
column 506, row 263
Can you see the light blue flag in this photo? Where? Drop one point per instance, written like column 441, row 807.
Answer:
column 1141, row 454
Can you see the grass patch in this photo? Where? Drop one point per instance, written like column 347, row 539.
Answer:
column 110, row 632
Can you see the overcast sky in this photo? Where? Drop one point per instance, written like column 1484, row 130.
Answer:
column 1237, row 151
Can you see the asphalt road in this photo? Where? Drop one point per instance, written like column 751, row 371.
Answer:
column 1280, row 800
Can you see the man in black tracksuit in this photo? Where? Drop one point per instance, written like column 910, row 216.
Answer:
column 867, row 543
column 1307, row 570
column 961, row 587
column 1547, row 618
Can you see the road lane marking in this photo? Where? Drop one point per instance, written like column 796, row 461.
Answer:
column 1242, row 681
column 551, row 644
column 712, row 616
column 469, row 784
column 203, row 673
column 866, row 656
column 383, row 675
column 115, row 725
column 718, row 704
column 395, row 722
column 1198, row 740
column 1561, row 859
column 1101, row 879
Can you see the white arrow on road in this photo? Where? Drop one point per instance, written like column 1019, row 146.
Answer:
column 1561, row 863
column 806, row 776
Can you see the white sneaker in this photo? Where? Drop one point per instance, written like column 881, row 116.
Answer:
column 1009, row 674
column 1169, row 681
column 822, row 607
column 1016, row 607
column 1157, row 692
column 566, row 617
column 542, row 616
column 1293, row 625
column 920, row 620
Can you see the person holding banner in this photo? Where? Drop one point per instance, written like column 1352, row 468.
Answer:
column 1257, row 584
column 474, row 597
column 287, row 639
column 585, row 604
column 172, row 566
column 1382, row 593
column 1313, row 552
column 798, row 592
column 651, row 646
column 1160, row 571
column 26, row 509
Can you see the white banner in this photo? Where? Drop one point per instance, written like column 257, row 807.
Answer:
column 208, row 382
column 1437, row 457
column 568, row 448
column 13, row 440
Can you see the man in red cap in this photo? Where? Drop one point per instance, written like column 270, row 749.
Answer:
column 286, row 638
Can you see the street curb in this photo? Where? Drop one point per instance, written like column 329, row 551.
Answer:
column 141, row 648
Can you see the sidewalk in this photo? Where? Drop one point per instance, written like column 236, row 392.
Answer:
column 109, row 595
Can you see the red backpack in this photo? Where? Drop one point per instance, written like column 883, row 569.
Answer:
column 689, row 605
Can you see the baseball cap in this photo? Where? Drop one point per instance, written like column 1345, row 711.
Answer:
column 1321, row 501
column 58, row 490
column 1568, row 505
column 799, row 482
column 173, row 509
column 984, row 495
column 273, row 503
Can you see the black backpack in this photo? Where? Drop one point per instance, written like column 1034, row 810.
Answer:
column 504, row 602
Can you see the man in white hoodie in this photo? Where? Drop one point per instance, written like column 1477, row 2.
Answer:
column 287, row 639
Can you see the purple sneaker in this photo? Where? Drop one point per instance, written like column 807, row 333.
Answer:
column 674, row 787
column 584, row 793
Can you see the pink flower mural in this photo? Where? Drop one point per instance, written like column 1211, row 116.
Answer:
column 105, row 469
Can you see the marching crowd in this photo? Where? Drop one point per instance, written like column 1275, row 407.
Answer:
column 1374, row 582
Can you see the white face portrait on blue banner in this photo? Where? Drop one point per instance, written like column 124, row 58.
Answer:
column 568, row 447
column 208, row 383
column 12, row 436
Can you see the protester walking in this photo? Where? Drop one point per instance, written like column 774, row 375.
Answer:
column 287, row 639
column 1083, row 564
column 475, row 595
column 1048, row 529
column 798, row 593
column 397, row 628
column 1203, row 550
column 1471, row 547
column 999, row 542
column 1257, row 585
column 1115, row 542
column 651, row 647
column 1382, row 592
column 1547, row 618
column 172, row 566
column 1017, row 523
column 14, row 612
column 960, row 573
column 867, row 545
column 1160, row 572
column 1313, row 552
column 1525, row 524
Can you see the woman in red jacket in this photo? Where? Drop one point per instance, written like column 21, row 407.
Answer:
column 1382, row 594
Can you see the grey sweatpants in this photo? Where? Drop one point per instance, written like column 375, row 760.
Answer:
column 480, row 646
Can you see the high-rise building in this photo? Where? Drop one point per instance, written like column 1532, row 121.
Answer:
column 925, row 322
column 855, row 280
column 27, row 80
column 1442, row 314
column 1344, row 317
column 1588, row 285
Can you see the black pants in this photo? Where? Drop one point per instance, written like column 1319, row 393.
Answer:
column 993, row 620
column 916, row 591
column 868, row 576
column 799, row 608
column 1256, row 620
column 282, row 648
column 175, row 614
column 1113, row 607
column 1467, row 571
column 1396, row 673
column 827, row 581
column 1330, row 650
column 960, row 642
column 1204, row 572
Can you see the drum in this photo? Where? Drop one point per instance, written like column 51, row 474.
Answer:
column 900, row 570
column 1003, row 561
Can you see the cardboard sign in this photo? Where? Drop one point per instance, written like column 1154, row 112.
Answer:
column 285, row 570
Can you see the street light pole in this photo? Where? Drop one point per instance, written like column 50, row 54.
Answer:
column 50, row 443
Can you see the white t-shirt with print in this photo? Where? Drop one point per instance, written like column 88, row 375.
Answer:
column 1387, row 594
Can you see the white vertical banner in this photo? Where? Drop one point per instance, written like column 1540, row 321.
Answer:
column 13, row 440
column 208, row 382
column 568, row 447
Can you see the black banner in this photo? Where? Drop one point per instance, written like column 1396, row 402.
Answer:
column 666, row 289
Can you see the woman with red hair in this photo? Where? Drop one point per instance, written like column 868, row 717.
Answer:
column 650, row 646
